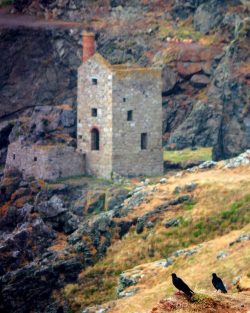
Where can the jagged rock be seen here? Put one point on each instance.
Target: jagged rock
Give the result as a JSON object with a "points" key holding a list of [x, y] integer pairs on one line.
{"points": [[177, 190], [172, 222], [22, 240], [54, 212], [115, 198], [186, 69], [68, 118], [187, 252], [207, 164], [127, 281], [179, 200], [150, 225], [169, 79], [140, 225], [34, 294], [199, 81], [136, 198], [242, 159], [190, 187], [51, 208], [131, 292], [169, 262], [241, 238], [221, 255], [9, 184], [96, 202], [124, 227], [208, 16], [53, 82], [183, 9], [163, 180]]}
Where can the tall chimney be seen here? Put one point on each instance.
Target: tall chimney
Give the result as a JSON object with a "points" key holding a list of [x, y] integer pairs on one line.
{"points": [[88, 41]]}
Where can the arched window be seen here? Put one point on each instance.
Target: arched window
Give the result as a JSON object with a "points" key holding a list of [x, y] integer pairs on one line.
{"points": [[95, 139]]}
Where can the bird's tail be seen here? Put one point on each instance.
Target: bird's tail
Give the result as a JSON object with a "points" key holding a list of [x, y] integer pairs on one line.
{"points": [[190, 293]]}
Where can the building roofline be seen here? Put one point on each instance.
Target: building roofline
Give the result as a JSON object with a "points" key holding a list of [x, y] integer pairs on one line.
{"points": [[125, 69]]}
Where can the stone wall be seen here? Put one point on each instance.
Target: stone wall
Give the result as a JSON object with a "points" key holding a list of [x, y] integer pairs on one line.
{"points": [[45, 162], [99, 96], [119, 89], [138, 91]]}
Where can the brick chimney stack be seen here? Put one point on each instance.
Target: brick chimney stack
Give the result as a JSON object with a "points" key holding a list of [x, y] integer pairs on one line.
{"points": [[88, 41]]}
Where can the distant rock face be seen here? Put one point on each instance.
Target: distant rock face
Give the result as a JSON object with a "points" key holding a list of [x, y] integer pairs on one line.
{"points": [[221, 120], [208, 16], [205, 92], [42, 63]]}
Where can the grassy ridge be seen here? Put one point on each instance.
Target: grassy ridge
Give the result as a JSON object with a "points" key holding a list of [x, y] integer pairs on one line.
{"points": [[98, 283], [176, 156]]}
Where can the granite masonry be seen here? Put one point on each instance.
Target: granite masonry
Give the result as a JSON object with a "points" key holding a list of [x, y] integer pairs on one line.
{"points": [[119, 125], [119, 115], [47, 162]]}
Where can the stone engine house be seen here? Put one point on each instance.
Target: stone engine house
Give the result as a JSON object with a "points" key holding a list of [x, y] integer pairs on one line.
{"points": [[119, 116], [119, 125]]}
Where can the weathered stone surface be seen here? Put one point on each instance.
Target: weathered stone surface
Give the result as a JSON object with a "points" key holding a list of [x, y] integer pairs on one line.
{"points": [[116, 86], [96, 202], [190, 187], [47, 162], [200, 81], [242, 159], [241, 238], [17, 296], [171, 223], [50, 74], [221, 255], [169, 79], [208, 16], [115, 198], [188, 69], [9, 183]]}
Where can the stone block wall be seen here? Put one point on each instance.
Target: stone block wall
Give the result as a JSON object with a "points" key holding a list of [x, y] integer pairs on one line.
{"points": [[45, 162], [139, 91], [117, 90], [99, 96]]}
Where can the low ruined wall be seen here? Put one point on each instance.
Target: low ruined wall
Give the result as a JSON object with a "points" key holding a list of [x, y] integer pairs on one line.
{"points": [[45, 162]]}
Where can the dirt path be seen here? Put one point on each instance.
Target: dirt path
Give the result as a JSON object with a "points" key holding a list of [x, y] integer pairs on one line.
{"points": [[16, 20]]}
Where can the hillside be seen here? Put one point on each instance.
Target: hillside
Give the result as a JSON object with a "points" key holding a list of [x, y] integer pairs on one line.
{"points": [[64, 244], [200, 238]]}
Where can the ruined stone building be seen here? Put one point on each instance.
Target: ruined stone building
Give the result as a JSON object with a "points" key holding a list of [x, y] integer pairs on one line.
{"points": [[119, 125], [119, 116], [47, 162]]}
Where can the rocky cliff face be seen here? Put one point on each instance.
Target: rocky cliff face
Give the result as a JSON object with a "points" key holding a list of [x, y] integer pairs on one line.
{"points": [[48, 235], [203, 53]]}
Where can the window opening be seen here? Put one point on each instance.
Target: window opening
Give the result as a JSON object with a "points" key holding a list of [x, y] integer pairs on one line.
{"points": [[144, 141], [95, 139], [130, 115]]}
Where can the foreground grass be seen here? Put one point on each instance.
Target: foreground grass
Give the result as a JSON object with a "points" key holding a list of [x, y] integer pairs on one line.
{"points": [[177, 156], [220, 204]]}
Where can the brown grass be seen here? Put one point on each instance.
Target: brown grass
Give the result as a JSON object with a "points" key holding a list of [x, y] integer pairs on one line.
{"points": [[218, 191]]}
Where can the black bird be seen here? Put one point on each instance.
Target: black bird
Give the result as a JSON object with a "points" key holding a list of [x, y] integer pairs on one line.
{"points": [[218, 283], [180, 285]]}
